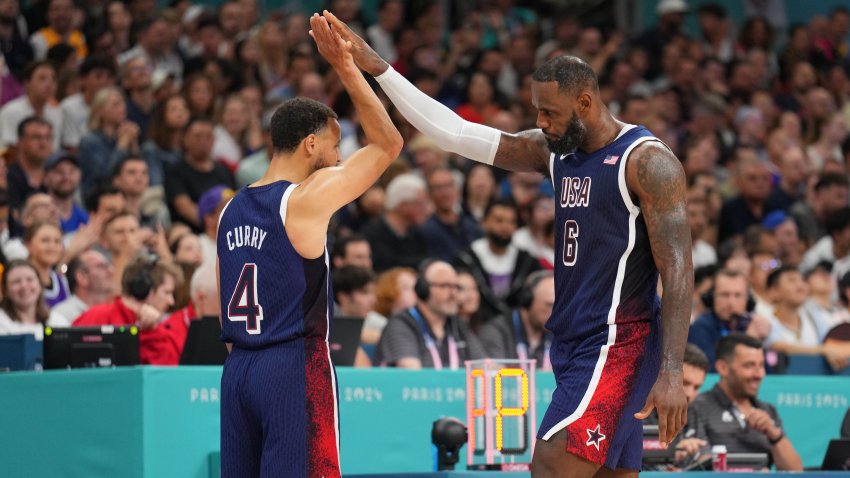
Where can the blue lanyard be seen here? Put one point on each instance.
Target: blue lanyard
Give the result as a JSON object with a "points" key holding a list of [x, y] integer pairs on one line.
{"points": [[431, 344]]}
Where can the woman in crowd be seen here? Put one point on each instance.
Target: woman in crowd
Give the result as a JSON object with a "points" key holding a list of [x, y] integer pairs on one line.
{"points": [[111, 138], [22, 309], [164, 137], [237, 134], [44, 243]]}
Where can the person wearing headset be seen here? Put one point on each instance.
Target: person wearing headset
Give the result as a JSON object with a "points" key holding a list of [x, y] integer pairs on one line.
{"points": [[522, 334], [430, 334], [147, 291], [729, 308]]}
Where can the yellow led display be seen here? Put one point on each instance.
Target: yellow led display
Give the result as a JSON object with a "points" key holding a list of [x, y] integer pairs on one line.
{"points": [[509, 411]]}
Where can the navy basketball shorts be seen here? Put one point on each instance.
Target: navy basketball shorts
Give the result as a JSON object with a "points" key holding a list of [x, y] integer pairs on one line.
{"points": [[603, 379], [279, 412]]}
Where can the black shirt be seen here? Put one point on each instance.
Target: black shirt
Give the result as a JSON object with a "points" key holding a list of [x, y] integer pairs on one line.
{"points": [[391, 250], [183, 179]]}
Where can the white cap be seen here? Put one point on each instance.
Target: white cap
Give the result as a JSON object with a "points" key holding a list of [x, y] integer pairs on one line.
{"points": [[718, 449], [671, 6]]}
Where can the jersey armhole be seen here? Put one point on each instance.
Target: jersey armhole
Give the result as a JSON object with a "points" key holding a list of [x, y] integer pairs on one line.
{"points": [[621, 179], [284, 202]]}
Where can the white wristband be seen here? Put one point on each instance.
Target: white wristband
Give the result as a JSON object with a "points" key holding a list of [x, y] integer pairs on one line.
{"points": [[451, 132]]}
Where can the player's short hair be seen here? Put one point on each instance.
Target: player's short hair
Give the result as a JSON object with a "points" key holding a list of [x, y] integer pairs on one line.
{"points": [[296, 119], [348, 279], [695, 357], [570, 72], [726, 346], [404, 187]]}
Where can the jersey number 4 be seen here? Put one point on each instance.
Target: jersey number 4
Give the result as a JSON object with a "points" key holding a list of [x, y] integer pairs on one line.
{"points": [[244, 305], [570, 243]]}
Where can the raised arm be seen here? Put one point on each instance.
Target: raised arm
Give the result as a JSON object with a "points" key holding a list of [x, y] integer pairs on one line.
{"points": [[656, 178], [526, 151], [328, 189]]}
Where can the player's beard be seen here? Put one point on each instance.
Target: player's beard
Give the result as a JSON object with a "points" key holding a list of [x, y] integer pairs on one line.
{"points": [[320, 162], [571, 139]]}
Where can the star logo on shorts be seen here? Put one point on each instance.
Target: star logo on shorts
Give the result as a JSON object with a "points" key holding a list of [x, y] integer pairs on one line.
{"points": [[594, 437]]}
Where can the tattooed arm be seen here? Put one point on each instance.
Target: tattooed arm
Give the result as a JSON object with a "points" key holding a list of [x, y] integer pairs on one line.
{"points": [[656, 178]]}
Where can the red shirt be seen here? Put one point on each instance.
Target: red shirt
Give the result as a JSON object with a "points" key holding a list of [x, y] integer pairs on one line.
{"points": [[161, 345]]}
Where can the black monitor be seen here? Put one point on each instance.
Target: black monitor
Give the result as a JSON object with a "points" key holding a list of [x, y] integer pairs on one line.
{"points": [[89, 347], [203, 344], [746, 462], [653, 455], [837, 455], [345, 339]]}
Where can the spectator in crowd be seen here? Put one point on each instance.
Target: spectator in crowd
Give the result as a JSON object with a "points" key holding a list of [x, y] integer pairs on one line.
{"points": [[730, 307], [44, 243], [763, 261], [381, 35], [753, 180], [835, 245], [24, 176], [112, 137], [499, 267], [794, 174], [60, 29], [210, 205], [102, 202], [91, 280], [165, 343], [253, 167], [522, 334], [97, 71], [396, 237], [731, 414], [831, 193], [394, 291], [430, 335], [449, 229], [121, 241], [354, 291], [155, 47], [22, 308], [194, 174], [131, 178], [832, 131], [469, 301], [40, 85], [165, 136], [794, 330], [532, 237], [478, 191], [703, 253], [38, 208], [352, 250], [790, 246], [138, 84], [147, 291], [237, 134], [61, 181], [186, 249]]}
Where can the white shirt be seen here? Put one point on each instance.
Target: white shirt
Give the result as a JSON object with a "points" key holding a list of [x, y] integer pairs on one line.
{"points": [[75, 117], [70, 309], [225, 148], [19, 109], [523, 239], [13, 327], [820, 251], [811, 331], [703, 254], [209, 252]]}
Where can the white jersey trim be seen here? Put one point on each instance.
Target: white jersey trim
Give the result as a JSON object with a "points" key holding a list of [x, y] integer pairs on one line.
{"points": [[284, 202], [634, 211], [330, 362]]}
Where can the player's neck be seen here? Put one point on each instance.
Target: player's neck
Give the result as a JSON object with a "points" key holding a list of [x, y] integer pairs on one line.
{"points": [[292, 168], [602, 134]]}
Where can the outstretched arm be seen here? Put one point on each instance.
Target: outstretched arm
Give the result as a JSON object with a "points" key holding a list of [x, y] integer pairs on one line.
{"points": [[526, 151], [656, 177], [328, 189]]}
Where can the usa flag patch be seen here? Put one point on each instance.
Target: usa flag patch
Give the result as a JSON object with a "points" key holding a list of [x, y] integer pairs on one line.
{"points": [[610, 159]]}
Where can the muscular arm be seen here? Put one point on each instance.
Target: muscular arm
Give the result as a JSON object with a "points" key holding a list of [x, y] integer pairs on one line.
{"points": [[656, 178], [526, 151]]}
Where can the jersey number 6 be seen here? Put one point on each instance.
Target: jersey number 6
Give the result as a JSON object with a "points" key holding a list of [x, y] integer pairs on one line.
{"points": [[244, 305], [570, 242]]}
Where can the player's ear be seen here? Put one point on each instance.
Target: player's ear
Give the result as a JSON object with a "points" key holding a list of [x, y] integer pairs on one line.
{"points": [[583, 102], [310, 143]]}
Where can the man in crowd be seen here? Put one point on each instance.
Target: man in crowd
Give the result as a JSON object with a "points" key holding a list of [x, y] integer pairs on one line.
{"points": [[91, 280], [522, 334], [730, 414]]}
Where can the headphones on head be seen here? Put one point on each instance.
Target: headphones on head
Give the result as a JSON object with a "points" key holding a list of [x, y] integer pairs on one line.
{"points": [[707, 299], [422, 287], [141, 284], [526, 295]]}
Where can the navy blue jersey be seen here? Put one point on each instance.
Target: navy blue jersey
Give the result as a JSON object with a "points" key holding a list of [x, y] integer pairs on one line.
{"points": [[604, 269], [269, 293]]}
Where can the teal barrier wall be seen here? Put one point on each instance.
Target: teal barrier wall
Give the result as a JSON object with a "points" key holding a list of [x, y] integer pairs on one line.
{"points": [[155, 422]]}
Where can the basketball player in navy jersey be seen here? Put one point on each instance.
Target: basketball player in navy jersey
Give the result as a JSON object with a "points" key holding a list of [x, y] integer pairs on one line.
{"points": [[278, 405], [621, 220]]}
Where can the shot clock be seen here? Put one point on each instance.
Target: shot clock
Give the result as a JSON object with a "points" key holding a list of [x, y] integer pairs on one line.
{"points": [[500, 414]]}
